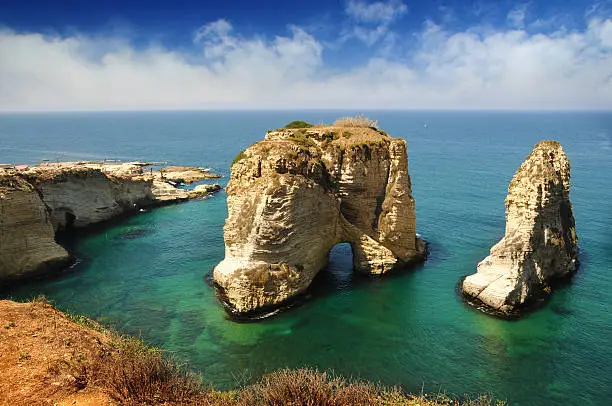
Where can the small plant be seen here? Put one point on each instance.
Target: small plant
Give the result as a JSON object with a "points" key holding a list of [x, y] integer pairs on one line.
{"points": [[302, 138], [143, 375], [347, 134], [24, 356], [298, 124], [9, 325], [241, 155], [360, 121]]}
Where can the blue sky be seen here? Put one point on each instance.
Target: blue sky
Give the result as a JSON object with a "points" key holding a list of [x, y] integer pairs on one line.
{"points": [[137, 54]]}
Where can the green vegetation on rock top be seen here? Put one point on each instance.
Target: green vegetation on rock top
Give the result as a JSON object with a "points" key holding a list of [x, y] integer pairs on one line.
{"points": [[298, 124]]}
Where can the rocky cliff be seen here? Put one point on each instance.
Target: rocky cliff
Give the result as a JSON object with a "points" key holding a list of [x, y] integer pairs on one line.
{"points": [[299, 192], [38, 201], [81, 195], [27, 237], [539, 245]]}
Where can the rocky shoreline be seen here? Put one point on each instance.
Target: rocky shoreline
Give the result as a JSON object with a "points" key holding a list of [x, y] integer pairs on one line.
{"points": [[37, 202]]}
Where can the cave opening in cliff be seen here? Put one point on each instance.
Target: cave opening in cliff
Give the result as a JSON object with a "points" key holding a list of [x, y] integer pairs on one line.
{"points": [[339, 270], [64, 219]]}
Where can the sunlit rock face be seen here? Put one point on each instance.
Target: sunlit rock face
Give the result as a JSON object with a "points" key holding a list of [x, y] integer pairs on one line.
{"points": [[540, 243], [299, 192], [38, 201], [82, 196], [27, 236]]}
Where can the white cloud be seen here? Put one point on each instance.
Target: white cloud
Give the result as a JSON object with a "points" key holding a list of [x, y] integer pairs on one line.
{"points": [[377, 12], [370, 22], [516, 16], [504, 69]]}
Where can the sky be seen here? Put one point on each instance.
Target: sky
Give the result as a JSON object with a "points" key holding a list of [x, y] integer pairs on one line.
{"points": [[66, 55]]}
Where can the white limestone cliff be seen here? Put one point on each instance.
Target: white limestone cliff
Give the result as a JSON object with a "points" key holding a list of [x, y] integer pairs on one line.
{"points": [[540, 243], [299, 192]]}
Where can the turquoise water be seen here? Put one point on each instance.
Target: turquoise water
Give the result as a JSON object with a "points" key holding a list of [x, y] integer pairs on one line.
{"points": [[146, 275]]}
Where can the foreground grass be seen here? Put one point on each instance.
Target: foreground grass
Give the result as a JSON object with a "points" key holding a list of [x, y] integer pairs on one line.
{"points": [[129, 372]]}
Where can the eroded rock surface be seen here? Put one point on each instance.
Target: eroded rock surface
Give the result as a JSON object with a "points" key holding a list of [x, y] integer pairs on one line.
{"points": [[27, 237], [38, 201], [539, 245], [299, 192], [80, 195]]}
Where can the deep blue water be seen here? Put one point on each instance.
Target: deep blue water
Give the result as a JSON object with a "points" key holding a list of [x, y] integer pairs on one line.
{"points": [[145, 275]]}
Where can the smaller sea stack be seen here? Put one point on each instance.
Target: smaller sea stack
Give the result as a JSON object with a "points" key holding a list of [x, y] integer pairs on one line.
{"points": [[540, 244]]}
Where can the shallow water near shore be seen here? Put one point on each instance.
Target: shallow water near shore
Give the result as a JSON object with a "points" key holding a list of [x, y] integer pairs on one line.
{"points": [[146, 275]]}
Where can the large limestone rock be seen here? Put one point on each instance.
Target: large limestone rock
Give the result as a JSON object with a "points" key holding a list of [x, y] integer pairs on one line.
{"points": [[79, 196], [299, 192], [38, 201], [27, 237], [540, 241]]}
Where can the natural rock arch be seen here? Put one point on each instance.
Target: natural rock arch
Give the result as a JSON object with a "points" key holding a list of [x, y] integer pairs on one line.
{"points": [[298, 193]]}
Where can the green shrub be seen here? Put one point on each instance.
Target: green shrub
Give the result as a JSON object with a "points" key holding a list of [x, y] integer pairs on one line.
{"points": [[241, 155], [298, 124]]}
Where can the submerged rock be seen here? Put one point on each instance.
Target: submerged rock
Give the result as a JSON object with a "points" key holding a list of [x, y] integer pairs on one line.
{"points": [[299, 192], [540, 241]]}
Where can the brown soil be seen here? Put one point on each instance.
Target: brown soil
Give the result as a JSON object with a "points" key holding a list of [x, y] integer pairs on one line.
{"points": [[44, 357]]}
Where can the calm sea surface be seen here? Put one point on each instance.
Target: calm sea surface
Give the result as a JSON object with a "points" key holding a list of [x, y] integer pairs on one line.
{"points": [[146, 275]]}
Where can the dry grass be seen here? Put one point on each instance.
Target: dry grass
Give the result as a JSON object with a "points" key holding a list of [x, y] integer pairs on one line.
{"points": [[137, 374], [62, 359], [359, 121], [310, 387]]}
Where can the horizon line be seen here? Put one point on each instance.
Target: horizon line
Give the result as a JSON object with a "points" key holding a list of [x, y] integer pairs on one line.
{"points": [[340, 109]]}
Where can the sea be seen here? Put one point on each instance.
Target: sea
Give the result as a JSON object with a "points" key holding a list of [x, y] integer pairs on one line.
{"points": [[147, 275]]}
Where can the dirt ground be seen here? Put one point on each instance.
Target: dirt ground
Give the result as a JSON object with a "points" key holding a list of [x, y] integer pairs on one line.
{"points": [[44, 357]]}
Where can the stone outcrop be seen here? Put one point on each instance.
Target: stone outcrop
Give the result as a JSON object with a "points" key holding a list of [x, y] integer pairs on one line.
{"points": [[165, 192], [299, 192], [27, 236], [539, 245], [184, 174], [38, 201], [79, 195]]}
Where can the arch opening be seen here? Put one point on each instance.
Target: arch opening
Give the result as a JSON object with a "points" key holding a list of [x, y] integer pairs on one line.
{"points": [[339, 272]]}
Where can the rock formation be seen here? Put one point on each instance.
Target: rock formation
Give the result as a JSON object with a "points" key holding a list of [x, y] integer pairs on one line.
{"points": [[299, 192], [27, 237], [79, 195], [540, 241], [38, 201]]}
